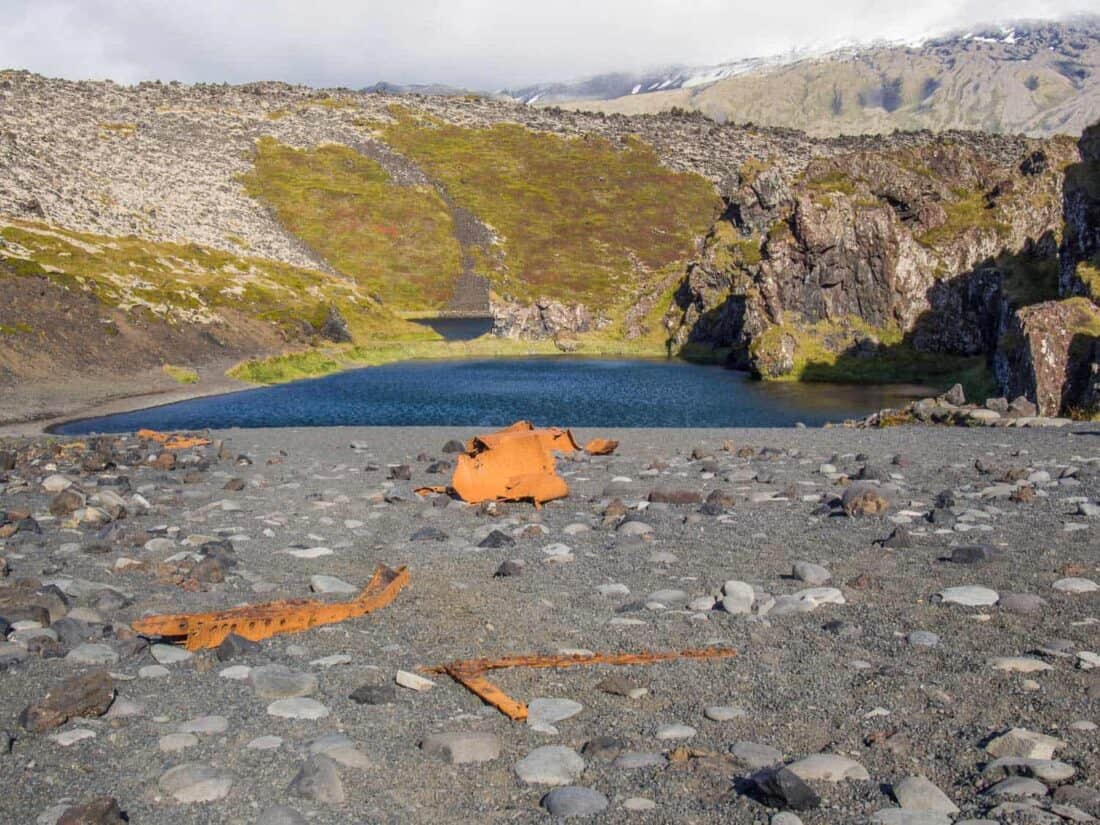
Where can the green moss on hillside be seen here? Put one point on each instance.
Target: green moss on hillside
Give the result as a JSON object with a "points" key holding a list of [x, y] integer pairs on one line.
{"points": [[579, 219], [188, 283], [967, 210], [395, 241]]}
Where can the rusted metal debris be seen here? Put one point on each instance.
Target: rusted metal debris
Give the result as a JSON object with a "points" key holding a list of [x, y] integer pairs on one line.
{"points": [[172, 441], [470, 673], [261, 621], [516, 464]]}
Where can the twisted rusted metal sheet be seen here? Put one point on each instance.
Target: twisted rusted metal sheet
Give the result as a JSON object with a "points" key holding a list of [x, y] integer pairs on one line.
{"points": [[261, 621]]}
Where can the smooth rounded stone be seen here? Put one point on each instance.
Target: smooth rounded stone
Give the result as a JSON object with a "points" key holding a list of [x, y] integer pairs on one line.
{"points": [[898, 816], [1025, 743], [638, 804], [1083, 725], [663, 557], [11, 653], [724, 713], [298, 708], [618, 685], [668, 597], [124, 708], [543, 713], [636, 760], [1047, 770], [332, 661], [918, 793], [828, 767], [463, 748], [153, 672], [237, 673], [737, 597], [177, 741], [550, 765], [674, 732], [204, 724], [813, 574], [1022, 603], [702, 604], [1075, 585], [923, 638], [755, 755], [72, 736], [92, 654], [318, 779], [573, 801], [785, 818], [281, 815], [56, 483], [634, 529], [339, 748], [1019, 664], [413, 681], [1017, 786], [612, 589], [195, 782], [969, 596], [169, 654], [330, 584], [159, 545], [85, 614], [265, 743], [805, 601], [280, 682]]}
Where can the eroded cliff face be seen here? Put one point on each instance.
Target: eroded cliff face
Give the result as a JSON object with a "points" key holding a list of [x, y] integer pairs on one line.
{"points": [[882, 258]]}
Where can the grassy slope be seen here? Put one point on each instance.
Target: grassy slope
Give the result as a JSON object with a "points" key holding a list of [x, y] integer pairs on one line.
{"points": [[580, 219], [187, 283], [396, 241]]}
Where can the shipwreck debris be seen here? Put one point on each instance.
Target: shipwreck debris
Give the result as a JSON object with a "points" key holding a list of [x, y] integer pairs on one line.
{"points": [[261, 621], [516, 464], [173, 441], [470, 673]]}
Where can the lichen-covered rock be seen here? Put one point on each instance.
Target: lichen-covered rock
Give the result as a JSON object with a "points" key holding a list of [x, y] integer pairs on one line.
{"points": [[545, 318]]}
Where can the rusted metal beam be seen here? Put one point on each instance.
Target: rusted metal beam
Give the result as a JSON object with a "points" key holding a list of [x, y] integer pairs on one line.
{"points": [[470, 673], [197, 631]]}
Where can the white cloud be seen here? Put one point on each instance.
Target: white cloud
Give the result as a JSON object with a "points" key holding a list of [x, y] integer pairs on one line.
{"points": [[475, 43]]}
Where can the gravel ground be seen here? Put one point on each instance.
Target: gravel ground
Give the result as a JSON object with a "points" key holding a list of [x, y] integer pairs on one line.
{"points": [[843, 679]]}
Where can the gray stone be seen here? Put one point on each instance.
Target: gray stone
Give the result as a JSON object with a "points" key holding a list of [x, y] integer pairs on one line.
{"points": [[330, 584], [298, 708], [169, 654], [969, 596], [543, 713], [573, 801], [1025, 743], [755, 755], [280, 682], [1017, 786], [737, 597], [917, 793], [923, 638], [813, 574], [177, 741], [898, 816], [666, 732], [204, 724], [724, 713], [318, 779], [339, 748], [1075, 585], [1022, 603], [92, 654], [463, 748], [1048, 770], [828, 767], [195, 782], [550, 765], [633, 760]]}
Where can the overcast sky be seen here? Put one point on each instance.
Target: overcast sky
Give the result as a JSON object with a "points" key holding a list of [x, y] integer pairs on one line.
{"points": [[483, 44]]}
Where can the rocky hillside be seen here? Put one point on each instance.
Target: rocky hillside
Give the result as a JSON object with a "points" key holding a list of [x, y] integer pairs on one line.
{"points": [[170, 225], [1034, 78]]}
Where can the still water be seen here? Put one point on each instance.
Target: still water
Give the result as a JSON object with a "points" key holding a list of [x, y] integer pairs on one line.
{"points": [[565, 391]]}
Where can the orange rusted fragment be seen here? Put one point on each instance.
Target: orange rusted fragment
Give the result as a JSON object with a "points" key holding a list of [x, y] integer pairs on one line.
{"points": [[261, 621], [171, 441], [515, 464], [470, 673], [601, 446]]}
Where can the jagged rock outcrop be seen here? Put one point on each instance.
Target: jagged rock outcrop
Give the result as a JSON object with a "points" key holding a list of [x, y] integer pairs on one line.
{"points": [[1049, 355], [542, 319], [926, 247], [1080, 256]]}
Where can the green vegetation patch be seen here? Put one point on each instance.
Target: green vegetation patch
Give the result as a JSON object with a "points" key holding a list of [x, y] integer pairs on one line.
{"points": [[579, 219], [397, 242], [825, 352], [1088, 273], [181, 375], [968, 209], [188, 283]]}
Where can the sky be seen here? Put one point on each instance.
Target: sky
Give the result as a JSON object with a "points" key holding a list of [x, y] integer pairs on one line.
{"points": [[477, 44]]}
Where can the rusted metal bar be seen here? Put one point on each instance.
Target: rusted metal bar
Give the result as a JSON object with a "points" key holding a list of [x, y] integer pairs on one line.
{"points": [[470, 673], [197, 631]]}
